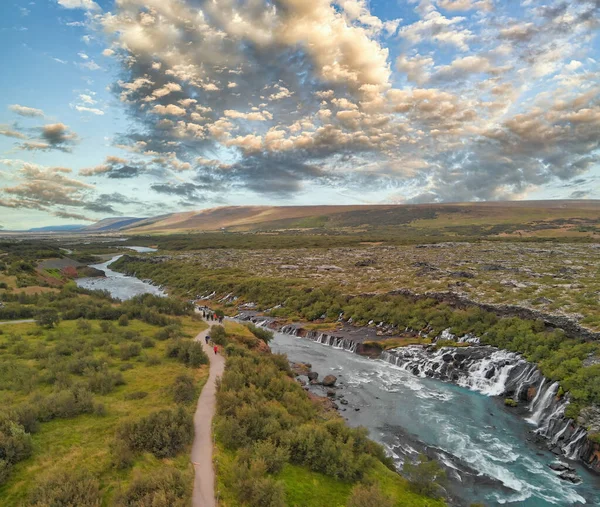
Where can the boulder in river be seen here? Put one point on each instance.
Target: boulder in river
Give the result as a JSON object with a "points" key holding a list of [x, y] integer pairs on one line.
{"points": [[331, 393], [559, 466], [570, 477], [313, 375], [329, 380]]}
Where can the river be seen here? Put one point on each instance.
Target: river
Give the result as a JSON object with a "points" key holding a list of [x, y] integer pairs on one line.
{"points": [[464, 429], [119, 285], [459, 426]]}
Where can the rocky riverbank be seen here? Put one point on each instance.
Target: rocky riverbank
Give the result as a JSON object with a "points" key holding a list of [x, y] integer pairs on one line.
{"points": [[482, 368]]}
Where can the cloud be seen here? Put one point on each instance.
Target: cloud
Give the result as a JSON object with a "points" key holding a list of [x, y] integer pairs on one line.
{"points": [[93, 110], [59, 136], [7, 131], [88, 5], [115, 168], [481, 103], [29, 112], [45, 189]]}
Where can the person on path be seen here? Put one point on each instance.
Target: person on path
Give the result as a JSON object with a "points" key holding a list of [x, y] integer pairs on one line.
{"points": [[207, 338], [216, 349]]}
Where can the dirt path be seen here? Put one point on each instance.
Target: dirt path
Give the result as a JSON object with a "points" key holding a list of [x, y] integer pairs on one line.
{"points": [[24, 321], [204, 480]]}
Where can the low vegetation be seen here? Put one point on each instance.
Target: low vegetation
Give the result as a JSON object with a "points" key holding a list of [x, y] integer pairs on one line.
{"points": [[274, 441], [559, 358], [96, 413]]}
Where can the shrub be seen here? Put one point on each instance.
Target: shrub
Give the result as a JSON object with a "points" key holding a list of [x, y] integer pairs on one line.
{"points": [[66, 403], [126, 366], [368, 496], [147, 342], [121, 454], [107, 327], [104, 381], [273, 456], [129, 350], [27, 416], [163, 433], [68, 490], [170, 331], [47, 317], [264, 334], [152, 360], [84, 326], [163, 488], [15, 443], [509, 402], [218, 335], [188, 352], [184, 389], [123, 320], [426, 477], [254, 488]]}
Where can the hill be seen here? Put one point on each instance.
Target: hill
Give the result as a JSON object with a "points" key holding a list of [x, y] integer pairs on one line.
{"points": [[112, 224], [523, 218]]}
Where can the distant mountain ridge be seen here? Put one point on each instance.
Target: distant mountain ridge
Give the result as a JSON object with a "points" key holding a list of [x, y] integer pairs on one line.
{"points": [[533, 214]]}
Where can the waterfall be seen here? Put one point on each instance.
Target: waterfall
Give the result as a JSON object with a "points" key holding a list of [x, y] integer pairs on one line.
{"points": [[541, 403], [537, 395], [573, 450]]}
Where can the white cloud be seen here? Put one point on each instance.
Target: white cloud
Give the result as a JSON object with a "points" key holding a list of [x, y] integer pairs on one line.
{"points": [[26, 111], [170, 109], [88, 5], [84, 109]]}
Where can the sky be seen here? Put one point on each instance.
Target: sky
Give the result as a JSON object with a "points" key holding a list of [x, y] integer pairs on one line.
{"points": [[145, 107]]}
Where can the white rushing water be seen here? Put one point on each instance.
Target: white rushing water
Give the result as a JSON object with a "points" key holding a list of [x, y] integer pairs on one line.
{"points": [[462, 425]]}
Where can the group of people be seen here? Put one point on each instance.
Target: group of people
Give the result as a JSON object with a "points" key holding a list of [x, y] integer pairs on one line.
{"points": [[209, 315]]}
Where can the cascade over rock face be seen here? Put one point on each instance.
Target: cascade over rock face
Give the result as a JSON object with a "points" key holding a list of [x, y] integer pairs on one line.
{"points": [[497, 372]]}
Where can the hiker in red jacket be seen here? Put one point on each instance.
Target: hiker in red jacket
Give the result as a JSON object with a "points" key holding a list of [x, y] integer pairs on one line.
{"points": [[216, 349]]}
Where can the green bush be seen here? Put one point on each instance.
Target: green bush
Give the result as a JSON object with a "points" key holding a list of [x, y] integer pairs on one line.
{"points": [[163, 488], [147, 342], [189, 352], [129, 350], [15, 443], [47, 317], [104, 381], [254, 488], [65, 404], [219, 336], [163, 433], [264, 334], [65, 489], [123, 320], [426, 476], [184, 389], [368, 496]]}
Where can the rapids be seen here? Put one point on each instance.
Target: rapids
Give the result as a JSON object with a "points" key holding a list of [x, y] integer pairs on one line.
{"points": [[489, 453]]}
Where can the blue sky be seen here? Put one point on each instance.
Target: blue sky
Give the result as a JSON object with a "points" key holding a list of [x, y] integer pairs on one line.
{"points": [[143, 107]]}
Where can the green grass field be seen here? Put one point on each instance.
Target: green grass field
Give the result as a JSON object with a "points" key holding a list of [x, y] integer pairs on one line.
{"points": [[84, 441]]}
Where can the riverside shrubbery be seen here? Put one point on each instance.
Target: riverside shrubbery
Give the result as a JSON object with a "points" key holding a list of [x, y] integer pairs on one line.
{"points": [[269, 420], [558, 358]]}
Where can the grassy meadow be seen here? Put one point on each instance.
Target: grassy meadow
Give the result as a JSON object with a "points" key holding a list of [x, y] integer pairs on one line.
{"points": [[120, 372]]}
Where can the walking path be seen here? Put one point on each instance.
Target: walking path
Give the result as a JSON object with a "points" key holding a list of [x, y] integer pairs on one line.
{"points": [[202, 448], [24, 321]]}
